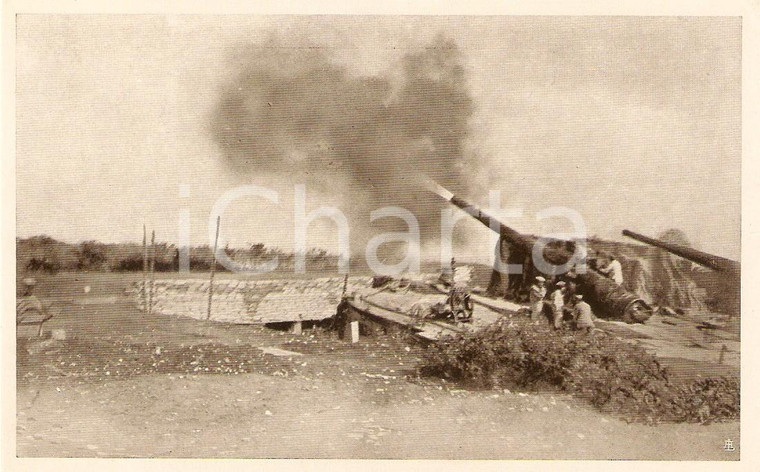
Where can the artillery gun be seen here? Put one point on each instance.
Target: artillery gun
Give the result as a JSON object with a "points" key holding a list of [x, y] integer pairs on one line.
{"points": [[608, 299], [716, 263], [729, 287]]}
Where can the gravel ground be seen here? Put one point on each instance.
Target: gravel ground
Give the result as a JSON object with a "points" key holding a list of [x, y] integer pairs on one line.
{"points": [[126, 385]]}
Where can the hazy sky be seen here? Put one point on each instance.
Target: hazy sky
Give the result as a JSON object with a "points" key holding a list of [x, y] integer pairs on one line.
{"points": [[633, 122]]}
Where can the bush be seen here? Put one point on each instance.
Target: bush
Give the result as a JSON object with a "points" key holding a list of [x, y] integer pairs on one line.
{"points": [[131, 263], [707, 399], [92, 255], [42, 265], [612, 375]]}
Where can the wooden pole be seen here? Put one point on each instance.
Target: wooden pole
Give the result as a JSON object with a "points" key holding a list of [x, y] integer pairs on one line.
{"points": [[213, 269], [152, 270], [145, 271], [723, 351]]}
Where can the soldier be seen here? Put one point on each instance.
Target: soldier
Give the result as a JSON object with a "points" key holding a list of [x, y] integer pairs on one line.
{"points": [[613, 270], [582, 314], [557, 303], [537, 294], [29, 309]]}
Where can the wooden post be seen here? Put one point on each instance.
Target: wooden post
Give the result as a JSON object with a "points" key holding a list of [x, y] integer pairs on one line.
{"points": [[723, 351], [152, 270], [145, 271], [213, 269], [297, 328], [353, 327]]}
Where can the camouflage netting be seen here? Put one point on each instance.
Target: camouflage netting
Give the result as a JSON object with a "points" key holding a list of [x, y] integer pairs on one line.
{"points": [[659, 277]]}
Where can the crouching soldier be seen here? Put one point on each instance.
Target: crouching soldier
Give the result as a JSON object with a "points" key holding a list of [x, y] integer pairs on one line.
{"points": [[582, 314]]}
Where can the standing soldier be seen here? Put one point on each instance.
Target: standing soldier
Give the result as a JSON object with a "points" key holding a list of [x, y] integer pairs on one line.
{"points": [[613, 270], [558, 303], [537, 294]]}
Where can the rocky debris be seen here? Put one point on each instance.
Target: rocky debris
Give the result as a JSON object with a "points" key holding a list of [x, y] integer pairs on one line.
{"points": [[58, 334], [77, 358]]}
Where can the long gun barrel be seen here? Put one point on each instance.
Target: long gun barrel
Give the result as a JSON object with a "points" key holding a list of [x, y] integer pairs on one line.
{"points": [[704, 259], [611, 300], [521, 241], [505, 231]]}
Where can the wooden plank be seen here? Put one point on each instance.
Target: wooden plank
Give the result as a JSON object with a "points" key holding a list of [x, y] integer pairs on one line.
{"points": [[496, 304], [492, 304], [385, 313], [432, 329]]}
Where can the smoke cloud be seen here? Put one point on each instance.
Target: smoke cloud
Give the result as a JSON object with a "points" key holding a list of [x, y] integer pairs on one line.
{"points": [[295, 110]]}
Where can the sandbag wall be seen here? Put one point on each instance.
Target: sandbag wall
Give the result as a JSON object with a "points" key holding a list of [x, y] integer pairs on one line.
{"points": [[249, 301]]}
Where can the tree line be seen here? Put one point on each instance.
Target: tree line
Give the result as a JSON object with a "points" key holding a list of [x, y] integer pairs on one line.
{"points": [[45, 254]]}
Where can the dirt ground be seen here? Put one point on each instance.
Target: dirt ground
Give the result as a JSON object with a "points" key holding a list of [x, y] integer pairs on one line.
{"points": [[127, 385]]}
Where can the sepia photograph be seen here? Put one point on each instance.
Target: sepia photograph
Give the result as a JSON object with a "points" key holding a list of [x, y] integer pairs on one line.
{"points": [[326, 236]]}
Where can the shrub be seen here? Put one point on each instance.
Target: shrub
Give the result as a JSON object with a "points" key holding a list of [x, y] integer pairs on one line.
{"points": [[707, 399], [613, 375], [130, 263], [92, 255], [42, 265]]}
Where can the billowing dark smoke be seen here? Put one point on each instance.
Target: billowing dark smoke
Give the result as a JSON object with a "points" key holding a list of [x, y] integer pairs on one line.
{"points": [[295, 110]]}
